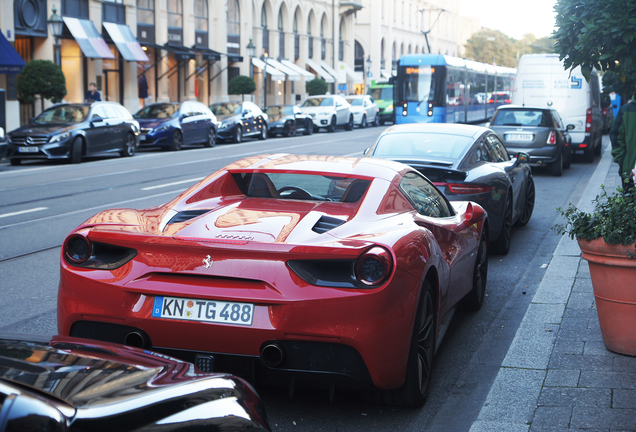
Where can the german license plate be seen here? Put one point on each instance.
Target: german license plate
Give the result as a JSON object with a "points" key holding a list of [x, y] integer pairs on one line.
{"points": [[520, 137], [142, 137], [203, 310], [28, 150]]}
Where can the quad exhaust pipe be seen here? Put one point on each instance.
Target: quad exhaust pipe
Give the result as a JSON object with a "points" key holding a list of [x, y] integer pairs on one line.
{"points": [[272, 355]]}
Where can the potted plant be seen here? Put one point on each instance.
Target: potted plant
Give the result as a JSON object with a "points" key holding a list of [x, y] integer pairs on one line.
{"points": [[607, 239]]}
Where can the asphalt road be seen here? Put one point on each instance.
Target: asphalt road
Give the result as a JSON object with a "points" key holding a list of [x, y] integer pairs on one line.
{"points": [[40, 203]]}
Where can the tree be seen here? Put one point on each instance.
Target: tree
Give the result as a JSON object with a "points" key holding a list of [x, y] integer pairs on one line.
{"points": [[491, 46], [44, 78], [597, 34], [622, 84], [316, 86], [531, 45], [241, 85]]}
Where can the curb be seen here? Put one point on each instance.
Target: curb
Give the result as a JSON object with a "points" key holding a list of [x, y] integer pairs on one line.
{"points": [[513, 398]]}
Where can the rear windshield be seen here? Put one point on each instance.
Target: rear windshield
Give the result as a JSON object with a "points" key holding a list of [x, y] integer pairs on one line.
{"points": [[383, 93], [421, 145], [310, 187], [521, 117]]}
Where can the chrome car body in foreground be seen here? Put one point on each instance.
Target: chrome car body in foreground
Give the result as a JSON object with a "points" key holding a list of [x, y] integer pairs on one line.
{"points": [[70, 384], [539, 132], [467, 163], [302, 270], [73, 131]]}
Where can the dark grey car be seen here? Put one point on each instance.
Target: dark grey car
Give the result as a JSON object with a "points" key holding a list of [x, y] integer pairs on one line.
{"points": [[539, 132], [466, 163]]}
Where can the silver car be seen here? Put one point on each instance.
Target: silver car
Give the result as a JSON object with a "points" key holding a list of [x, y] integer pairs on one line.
{"points": [[539, 132], [329, 112], [364, 109]]}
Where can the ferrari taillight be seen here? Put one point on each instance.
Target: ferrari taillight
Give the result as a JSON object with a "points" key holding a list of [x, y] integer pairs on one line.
{"points": [[466, 188], [77, 249], [374, 266], [551, 138]]}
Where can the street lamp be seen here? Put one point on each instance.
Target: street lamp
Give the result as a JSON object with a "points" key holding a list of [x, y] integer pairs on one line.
{"points": [[264, 59], [55, 27]]}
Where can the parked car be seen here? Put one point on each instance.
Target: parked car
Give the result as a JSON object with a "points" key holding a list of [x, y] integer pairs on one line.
{"points": [[287, 120], [499, 98], [329, 112], [467, 163], [3, 143], [537, 131], [239, 120], [364, 109], [72, 131], [67, 384], [382, 93], [171, 125], [299, 269]]}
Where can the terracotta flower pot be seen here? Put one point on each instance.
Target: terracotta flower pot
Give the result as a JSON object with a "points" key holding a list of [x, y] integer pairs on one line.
{"points": [[614, 282]]}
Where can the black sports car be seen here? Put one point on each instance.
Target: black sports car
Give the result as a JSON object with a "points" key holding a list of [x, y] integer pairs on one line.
{"points": [[71, 384], [467, 163], [240, 119], [287, 120], [73, 131]]}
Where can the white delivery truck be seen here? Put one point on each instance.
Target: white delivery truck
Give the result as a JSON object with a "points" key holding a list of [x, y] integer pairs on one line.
{"points": [[542, 81]]}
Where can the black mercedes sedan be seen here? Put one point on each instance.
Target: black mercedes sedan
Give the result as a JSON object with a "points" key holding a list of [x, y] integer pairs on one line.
{"points": [[68, 384], [240, 119], [287, 120], [73, 131], [466, 163], [537, 131]]}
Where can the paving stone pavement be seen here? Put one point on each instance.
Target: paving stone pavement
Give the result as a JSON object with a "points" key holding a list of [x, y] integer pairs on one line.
{"points": [[557, 375]]}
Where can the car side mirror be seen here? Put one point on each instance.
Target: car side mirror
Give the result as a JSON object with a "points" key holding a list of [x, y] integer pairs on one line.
{"points": [[366, 151], [96, 118], [522, 158], [570, 127], [245, 112]]}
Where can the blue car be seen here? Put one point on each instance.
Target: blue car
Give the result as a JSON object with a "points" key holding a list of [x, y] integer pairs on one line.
{"points": [[172, 125]]}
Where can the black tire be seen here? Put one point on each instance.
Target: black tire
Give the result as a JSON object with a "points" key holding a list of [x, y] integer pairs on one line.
{"points": [[316, 129], [15, 162], [381, 122], [376, 121], [177, 141], [263, 134], [76, 151], [501, 246], [291, 129], [599, 147], [238, 134], [349, 126], [130, 146], [420, 360], [528, 205], [475, 298], [557, 166], [332, 125], [309, 127], [567, 162], [363, 123], [211, 141]]}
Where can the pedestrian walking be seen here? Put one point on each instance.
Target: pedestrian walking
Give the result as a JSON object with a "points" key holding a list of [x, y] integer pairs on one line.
{"points": [[92, 95], [623, 138], [142, 85]]}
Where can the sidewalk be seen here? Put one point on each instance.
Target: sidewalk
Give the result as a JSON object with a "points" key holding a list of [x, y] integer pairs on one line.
{"points": [[557, 375]]}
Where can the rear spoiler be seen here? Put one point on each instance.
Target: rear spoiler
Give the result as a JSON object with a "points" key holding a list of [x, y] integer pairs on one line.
{"points": [[437, 173]]}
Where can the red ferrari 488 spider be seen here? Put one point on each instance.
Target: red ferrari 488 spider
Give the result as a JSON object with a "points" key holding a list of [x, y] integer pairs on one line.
{"points": [[285, 268]]}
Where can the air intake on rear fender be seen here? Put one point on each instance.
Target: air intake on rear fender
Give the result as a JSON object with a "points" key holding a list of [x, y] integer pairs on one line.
{"points": [[186, 215], [326, 223]]}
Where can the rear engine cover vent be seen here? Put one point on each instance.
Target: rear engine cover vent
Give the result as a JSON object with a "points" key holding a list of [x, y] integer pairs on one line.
{"points": [[186, 215], [326, 223]]}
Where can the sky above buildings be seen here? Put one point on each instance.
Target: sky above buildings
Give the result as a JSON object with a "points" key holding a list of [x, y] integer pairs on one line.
{"points": [[514, 18]]}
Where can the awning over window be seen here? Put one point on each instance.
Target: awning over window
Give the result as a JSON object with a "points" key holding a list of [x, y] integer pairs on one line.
{"points": [[126, 43], [88, 38], [180, 52], [329, 69], [10, 60], [293, 66], [320, 71], [207, 53], [274, 73], [292, 75], [357, 77]]}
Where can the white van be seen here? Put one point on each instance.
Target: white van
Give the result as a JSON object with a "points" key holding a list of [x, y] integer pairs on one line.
{"points": [[542, 81]]}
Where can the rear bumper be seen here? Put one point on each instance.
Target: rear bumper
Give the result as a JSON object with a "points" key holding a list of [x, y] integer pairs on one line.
{"points": [[538, 156]]}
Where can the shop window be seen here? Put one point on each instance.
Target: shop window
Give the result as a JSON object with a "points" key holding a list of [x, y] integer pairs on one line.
{"points": [[359, 57], [281, 35], [114, 11], [310, 52], [296, 40], [232, 72], [265, 31], [75, 8], [233, 27]]}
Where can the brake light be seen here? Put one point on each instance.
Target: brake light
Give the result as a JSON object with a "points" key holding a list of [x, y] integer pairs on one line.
{"points": [[77, 249], [465, 188], [551, 138], [374, 266], [604, 111], [588, 120]]}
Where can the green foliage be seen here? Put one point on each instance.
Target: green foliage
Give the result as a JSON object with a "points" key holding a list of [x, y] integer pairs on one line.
{"points": [[316, 86], [596, 34], [488, 46], [241, 85], [44, 78], [612, 219], [531, 45]]}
